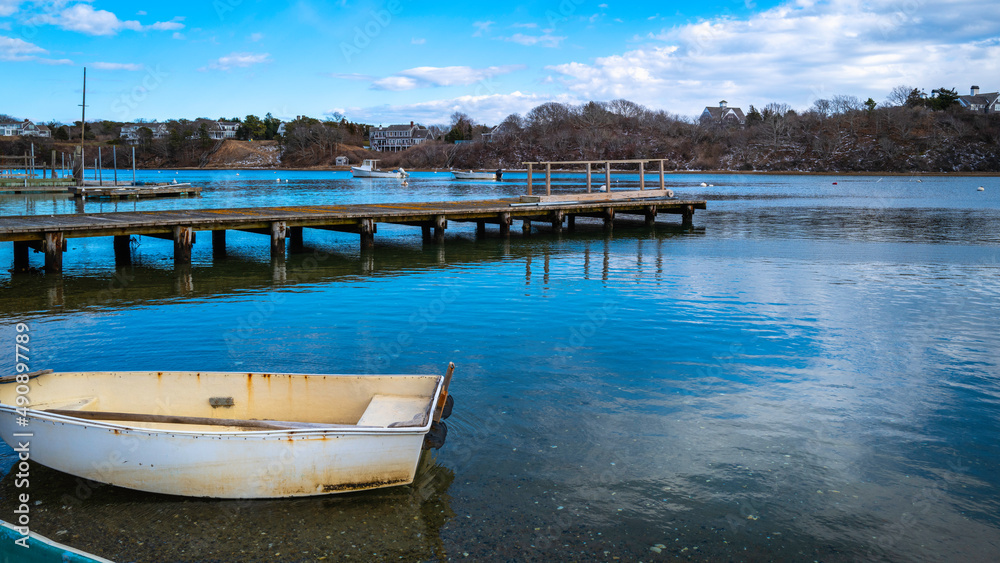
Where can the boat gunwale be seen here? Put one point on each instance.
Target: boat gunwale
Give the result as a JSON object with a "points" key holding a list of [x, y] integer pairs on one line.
{"points": [[264, 434]]}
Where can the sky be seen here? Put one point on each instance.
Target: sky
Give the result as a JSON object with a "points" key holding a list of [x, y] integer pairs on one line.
{"points": [[395, 61]]}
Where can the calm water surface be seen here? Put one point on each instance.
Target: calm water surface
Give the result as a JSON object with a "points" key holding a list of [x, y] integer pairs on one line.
{"points": [[811, 373]]}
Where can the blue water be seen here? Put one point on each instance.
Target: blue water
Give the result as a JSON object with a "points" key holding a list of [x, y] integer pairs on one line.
{"points": [[811, 373]]}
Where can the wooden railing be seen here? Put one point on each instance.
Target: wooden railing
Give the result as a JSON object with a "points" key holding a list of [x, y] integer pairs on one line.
{"points": [[589, 168]]}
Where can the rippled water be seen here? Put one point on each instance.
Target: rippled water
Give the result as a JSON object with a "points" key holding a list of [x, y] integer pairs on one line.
{"points": [[810, 373]]}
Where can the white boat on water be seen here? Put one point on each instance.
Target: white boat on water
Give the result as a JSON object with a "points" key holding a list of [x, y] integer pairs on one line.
{"points": [[472, 175], [369, 169], [227, 435]]}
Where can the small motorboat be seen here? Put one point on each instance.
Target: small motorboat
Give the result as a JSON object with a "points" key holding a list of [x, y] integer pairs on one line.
{"points": [[227, 435], [473, 175], [369, 169]]}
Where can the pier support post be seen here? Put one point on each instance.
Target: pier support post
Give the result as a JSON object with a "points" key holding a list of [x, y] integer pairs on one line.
{"points": [[440, 224], [278, 239], [480, 228], [609, 217], [687, 219], [505, 221], [571, 223], [650, 215], [218, 244], [548, 179], [183, 241], [642, 175], [21, 249], [526, 227], [529, 178], [295, 242], [588, 177], [425, 232], [366, 227], [54, 245], [557, 221], [123, 251]]}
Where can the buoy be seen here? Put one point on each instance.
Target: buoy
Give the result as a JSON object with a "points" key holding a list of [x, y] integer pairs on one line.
{"points": [[835, 183], [602, 188], [704, 185], [277, 179], [980, 189]]}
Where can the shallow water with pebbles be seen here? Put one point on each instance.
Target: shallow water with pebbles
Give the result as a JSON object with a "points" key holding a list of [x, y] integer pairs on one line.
{"points": [[810, 373]]}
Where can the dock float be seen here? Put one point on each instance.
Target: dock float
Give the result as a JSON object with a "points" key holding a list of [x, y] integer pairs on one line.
{"points": [[49, 233], [135, 191]]}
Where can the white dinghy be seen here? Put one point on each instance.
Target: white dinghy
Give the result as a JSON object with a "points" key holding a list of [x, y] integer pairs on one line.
{"points": [[473, 175], [227, 435]]}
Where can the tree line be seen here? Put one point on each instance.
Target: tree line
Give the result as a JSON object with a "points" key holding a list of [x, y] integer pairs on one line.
{"points": [[909, 131]]}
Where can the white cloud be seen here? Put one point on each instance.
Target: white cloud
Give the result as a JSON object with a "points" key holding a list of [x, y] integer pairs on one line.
{"points": [[482, 27], [798, 52], [430, 76], [117, 66], [545, 40], [237, 60], [178, 35], [18, 50], [490, 109], [83, 18], [14, 49], [8, 7], [255, 37]]}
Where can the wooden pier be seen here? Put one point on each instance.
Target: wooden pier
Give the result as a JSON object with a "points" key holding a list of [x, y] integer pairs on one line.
{"points": [[49, 233]]}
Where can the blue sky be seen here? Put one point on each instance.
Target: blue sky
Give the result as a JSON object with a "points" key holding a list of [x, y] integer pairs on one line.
{"points": [[395, 61]]}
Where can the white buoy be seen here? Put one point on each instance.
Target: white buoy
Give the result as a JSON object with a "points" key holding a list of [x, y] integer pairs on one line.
{"points": [[980, 189], [602, 188], [704, 185], [277, 179], [175, 180], [711, 185]]}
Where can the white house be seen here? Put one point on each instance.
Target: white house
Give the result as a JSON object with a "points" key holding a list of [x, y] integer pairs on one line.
{"points": [[130, 133], [342, 161], [985, 103], [10, 129], [723, 114], [395, 138], [24, 128], [220, 130]]}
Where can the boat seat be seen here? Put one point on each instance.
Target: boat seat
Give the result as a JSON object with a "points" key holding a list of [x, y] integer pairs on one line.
{"points": [[78, 404], [395, 411]]}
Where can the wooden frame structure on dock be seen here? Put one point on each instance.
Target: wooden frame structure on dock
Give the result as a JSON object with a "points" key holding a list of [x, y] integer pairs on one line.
{"points": [[588, 164], [48, 234]]}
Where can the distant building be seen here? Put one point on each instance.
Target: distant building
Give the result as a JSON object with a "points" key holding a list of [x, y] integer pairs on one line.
{"points": [[24, 129], [130, 133], [395, 138], [984, 103], [10, 129], [342, 161], [220, 130], [724, 115]]}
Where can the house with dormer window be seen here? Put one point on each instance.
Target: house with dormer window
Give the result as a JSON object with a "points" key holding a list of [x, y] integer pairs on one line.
{"points": [[982, 103], [723, 114], [395, 138]]}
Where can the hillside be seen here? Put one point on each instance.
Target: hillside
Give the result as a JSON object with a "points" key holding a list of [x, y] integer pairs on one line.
{"points": [[245, 154]]}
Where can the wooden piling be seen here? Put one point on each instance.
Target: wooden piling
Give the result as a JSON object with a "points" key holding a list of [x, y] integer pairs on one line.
{"points": [[526, 227], [557, 221], [642, 175], [183, 241], [54, 244], [588, 177], [529, 178], [278, 239], [505, 221], [548, 178], [650, 215], [480, 228], [440, 224], [366, 227], [687, 219]]}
